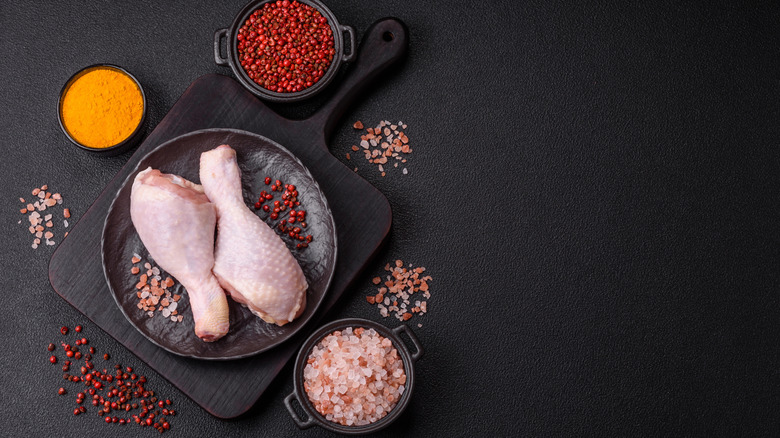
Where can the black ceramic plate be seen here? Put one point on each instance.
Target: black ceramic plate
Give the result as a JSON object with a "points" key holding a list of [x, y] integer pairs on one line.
{"points": [[258, 157]]}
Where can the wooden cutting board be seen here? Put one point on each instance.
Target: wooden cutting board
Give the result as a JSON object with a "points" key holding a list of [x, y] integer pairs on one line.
{"points": [[362, 214]]}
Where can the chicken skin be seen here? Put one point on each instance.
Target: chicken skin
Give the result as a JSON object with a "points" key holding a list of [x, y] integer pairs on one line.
{"points": [[251, 261], [176, 221]]}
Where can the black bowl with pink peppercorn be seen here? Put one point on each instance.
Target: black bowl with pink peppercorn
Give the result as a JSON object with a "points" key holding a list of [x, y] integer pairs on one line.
{"points": [[285, 51], [351, 358]]}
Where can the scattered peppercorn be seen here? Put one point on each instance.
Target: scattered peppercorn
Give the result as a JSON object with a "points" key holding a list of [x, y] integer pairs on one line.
{"points": [[289, 199], [117, 391], [64, 330]]}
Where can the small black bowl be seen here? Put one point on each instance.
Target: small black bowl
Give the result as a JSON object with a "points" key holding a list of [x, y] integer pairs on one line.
{"points": [[235, 64], [299, 394], [125, 144]]}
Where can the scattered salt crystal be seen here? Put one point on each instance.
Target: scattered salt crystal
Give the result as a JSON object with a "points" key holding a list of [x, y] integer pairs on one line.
{"points": [[405, 171]]}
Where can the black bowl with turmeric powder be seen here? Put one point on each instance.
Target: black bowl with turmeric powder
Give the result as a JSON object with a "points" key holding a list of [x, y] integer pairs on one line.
{"points": [[102, 109]]}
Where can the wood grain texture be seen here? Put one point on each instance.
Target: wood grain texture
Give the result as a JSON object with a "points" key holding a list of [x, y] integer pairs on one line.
{"points": [[362, 216]]}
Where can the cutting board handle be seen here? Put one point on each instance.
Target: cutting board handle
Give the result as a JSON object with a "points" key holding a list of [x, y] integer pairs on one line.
{"points": [[384, 44]]}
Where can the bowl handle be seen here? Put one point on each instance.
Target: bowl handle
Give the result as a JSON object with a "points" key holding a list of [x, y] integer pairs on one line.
{"points": [[217, 45], [402, 328], [352, 44], [298, 422]]}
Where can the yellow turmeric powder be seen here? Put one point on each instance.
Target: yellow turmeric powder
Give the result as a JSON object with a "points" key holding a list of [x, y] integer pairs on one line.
{"points": [[101, 107]]}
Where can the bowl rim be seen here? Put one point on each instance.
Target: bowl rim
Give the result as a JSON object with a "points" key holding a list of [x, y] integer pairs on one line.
{"points": [[119, 146], [407, 358], [273, 96]]}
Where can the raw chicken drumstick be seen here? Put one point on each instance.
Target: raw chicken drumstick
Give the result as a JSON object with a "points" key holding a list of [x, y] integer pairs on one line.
{"points": [[251, 262], [176, 222]]}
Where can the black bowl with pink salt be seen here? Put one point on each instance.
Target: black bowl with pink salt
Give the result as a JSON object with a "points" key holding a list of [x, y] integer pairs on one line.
{"points": [[353, 376]]}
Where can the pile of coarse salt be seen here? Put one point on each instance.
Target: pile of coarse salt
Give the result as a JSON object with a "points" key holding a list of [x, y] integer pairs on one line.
{"points": [[154, 293], [43, 200], [401, 285], [383, 142], [355, 377]]}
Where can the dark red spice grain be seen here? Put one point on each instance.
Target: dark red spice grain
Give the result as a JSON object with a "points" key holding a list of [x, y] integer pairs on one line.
{"points": [[78, 328], [285, 46], [117, 391], [51, 347], [64, 330], [296, 215]]}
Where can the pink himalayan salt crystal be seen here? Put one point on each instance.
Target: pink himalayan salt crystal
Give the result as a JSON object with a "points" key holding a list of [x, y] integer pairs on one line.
{"points": [[354, 377]]}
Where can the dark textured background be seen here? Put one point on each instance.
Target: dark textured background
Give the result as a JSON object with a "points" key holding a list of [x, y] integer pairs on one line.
{"points": [[594, 190]]}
